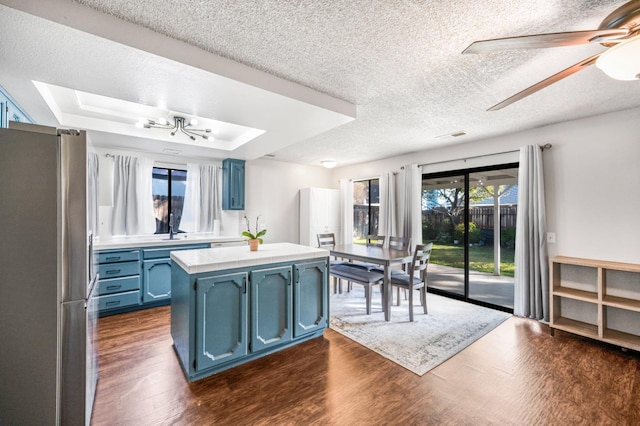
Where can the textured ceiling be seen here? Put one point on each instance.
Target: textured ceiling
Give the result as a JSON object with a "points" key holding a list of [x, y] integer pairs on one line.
{"points": [[399, 62]]}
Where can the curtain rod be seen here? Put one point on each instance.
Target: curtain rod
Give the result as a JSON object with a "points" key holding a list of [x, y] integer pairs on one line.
{"points": [[108, 155], [542, 148]]}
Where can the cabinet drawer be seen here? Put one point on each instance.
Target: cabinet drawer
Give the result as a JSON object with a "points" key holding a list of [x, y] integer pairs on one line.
{"points": [[119, 300], [118, 256], [117, 285], [114, 270], [164, 252]]}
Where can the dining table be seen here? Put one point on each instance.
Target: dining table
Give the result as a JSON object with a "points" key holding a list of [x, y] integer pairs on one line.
{"points": [[383, 256]]}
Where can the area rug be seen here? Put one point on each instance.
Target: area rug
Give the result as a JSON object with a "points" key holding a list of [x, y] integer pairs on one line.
{"points": [[449, 327]]}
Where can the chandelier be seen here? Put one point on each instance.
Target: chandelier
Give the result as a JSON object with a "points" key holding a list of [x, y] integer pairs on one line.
{"points": [[180, 124]]}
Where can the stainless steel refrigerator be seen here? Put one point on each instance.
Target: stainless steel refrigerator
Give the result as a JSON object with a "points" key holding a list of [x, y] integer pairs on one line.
{"points": [[48, 316]]}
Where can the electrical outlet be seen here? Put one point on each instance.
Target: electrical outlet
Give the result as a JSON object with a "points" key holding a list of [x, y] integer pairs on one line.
{"points": [[551, 237]]}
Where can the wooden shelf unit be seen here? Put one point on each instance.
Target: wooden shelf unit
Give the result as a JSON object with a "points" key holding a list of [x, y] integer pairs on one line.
{"points": [[596, 299]]}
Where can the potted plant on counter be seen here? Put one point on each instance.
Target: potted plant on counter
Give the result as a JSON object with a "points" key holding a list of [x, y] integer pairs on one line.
{"points": [[254, 239]]}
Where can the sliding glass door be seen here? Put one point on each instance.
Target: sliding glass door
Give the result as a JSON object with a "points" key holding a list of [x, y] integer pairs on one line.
{"points": [[443, 206], [470, 216]]}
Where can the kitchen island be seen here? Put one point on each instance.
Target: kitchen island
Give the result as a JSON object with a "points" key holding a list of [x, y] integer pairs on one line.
{"points": [[230, 305]]}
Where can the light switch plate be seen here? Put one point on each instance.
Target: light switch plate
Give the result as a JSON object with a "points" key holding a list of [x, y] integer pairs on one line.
{"points": [[551, 237]]}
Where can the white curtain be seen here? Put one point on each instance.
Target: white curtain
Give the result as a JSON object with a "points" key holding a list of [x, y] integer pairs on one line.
{"points": [[346, 211], [132, 196], [93, 192], [202, 199], [531, 291], [410, 204], [387, 222]]}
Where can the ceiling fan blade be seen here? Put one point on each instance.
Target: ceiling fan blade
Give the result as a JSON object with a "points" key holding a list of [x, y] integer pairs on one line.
{"points": [[537, 41], [546, 82]]}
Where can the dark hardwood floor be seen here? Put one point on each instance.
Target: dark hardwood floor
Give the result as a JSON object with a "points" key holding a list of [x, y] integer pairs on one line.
{"points": [[517, 374]]}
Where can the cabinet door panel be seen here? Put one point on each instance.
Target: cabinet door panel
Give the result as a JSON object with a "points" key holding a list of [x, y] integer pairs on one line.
{"points": [[233, 184], [311, 307], [221, 319], [157, 280], [270, 307]]}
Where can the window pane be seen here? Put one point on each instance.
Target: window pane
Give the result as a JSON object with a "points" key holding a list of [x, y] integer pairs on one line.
{"points": [[493, 204], [178, 186], [366, 208], [160, 185], [360, 211], [443, 224], [374, 203], [168, 200]]}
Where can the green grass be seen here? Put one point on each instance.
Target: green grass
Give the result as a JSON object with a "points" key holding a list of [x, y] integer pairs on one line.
{"points": [[480, 258]]}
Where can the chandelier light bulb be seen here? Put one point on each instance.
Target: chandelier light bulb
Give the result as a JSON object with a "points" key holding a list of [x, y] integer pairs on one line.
{"points": [[193, 122]]}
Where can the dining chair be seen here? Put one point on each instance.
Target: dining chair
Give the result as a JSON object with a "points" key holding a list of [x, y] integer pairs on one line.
{"points": [[416, 278], [328, 241], [403, 244], [371, 240], [397, 243]]}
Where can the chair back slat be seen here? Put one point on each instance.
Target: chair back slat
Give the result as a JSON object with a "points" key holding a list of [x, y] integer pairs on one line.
{"points": [[375, 240], [326, 240], [399, 243]]}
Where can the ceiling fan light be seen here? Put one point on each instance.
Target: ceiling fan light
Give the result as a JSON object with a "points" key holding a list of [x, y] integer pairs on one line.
{"points": [[622, 61]]}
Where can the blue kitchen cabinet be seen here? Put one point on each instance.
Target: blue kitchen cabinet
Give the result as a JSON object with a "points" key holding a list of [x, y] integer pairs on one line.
{"points": [[118, 285], [232, 184], [156, 282], [221, 315], [271, 313], [311, 300], [11, 111], [136, 278]]}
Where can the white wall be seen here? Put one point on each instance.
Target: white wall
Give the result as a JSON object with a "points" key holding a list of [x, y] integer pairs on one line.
{"points": [[592, 179], [272, 190]]}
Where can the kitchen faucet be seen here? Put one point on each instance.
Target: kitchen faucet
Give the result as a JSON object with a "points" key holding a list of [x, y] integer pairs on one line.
{"points": [[171, 226]]}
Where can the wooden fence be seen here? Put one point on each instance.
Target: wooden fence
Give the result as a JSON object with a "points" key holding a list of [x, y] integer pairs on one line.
{"points": [[481, 216]]}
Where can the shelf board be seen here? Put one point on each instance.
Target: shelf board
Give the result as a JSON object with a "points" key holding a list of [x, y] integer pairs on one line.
{"points": [[622, 303], [622, 339], [618, 266], [572, 293], [576, 327]]}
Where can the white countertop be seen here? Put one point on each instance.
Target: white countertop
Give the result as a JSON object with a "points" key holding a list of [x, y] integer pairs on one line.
{"points": [[221, 258], [129, 241]]}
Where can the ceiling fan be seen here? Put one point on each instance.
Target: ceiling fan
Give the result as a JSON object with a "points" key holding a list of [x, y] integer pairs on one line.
{"points": [[619, 31]]}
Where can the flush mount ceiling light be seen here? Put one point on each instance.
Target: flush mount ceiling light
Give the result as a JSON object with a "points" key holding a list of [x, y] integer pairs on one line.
{"points": [[329, 164], [180, 124], [622, 61]]}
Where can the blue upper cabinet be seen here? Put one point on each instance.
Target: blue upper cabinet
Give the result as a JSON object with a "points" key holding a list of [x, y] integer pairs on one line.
{"points": [[232, 184], [10, 110]]}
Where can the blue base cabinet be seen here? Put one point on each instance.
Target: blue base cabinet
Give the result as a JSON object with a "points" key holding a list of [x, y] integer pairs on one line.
{"points": [[156, 277], [118, 285], [135, 278], [226, 318]]}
